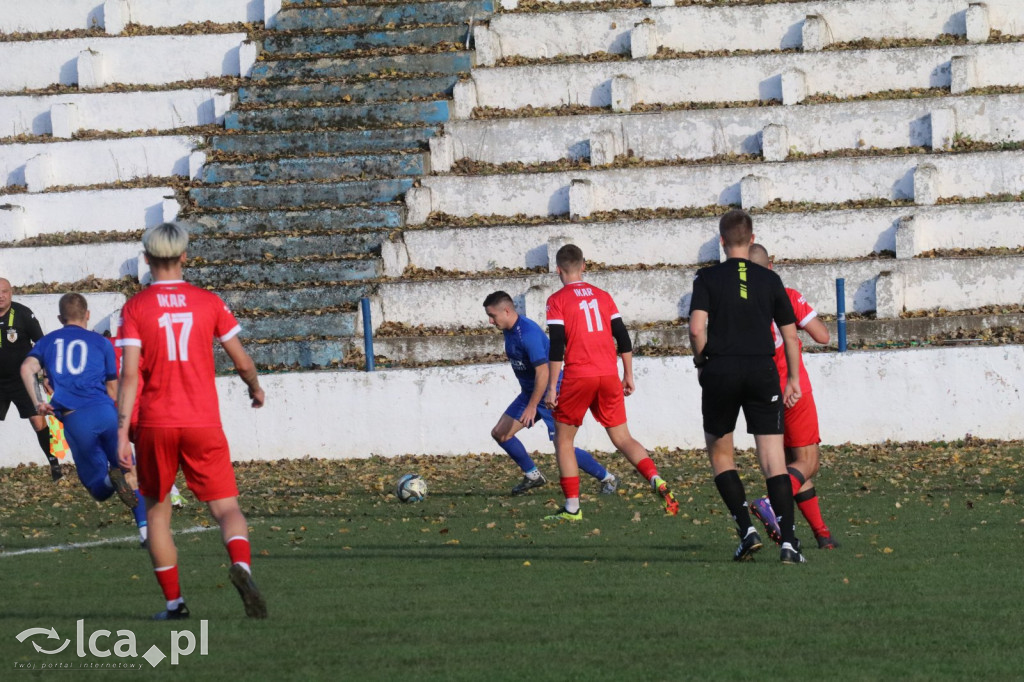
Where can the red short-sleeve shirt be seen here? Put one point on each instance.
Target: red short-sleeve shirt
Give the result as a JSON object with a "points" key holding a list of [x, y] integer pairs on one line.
{"points": [[175, 324], [586, 312], [805, 312]]}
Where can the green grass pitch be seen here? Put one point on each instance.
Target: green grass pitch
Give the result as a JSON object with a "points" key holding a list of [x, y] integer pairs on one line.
{"points": [[471, 584]]}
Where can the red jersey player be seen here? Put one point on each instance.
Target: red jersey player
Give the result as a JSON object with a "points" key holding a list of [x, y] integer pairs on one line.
{"points": [[585, 327], [801, 423], [166, 334]]}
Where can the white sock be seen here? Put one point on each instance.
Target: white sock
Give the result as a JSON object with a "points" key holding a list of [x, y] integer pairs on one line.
{"points": [[572, 504], [750, 529], [143, 533], [533, 474], [608, 477], [175, 603], [245, 566], [174, 490]]}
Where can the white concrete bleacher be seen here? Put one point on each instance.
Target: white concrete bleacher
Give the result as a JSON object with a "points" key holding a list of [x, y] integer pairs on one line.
{"points": [[71, 70], [958, 199], [779, 26]]}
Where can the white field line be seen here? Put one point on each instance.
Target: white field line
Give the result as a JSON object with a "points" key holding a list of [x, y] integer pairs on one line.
{"points": [[97, 543]]}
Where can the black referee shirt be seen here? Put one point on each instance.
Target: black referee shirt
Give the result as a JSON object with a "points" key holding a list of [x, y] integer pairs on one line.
{"points": [[741, 299], [19, 330]]}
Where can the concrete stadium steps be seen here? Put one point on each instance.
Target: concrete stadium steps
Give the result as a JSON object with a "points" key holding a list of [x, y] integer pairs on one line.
{"points": [[275, 272], [295, 17], [375, 114], [455, 347], [95, 162], [317, 168], [378, 90], [130, 60], [841, 73], [309, 142], [654, 295], [826, 234], [383, 216], [35, 265], [286, 44], [767, 26], [285, 299], [292, 353], [121, 210], [301, 194], [352, 243], [808, 129], [332, 68], [325, 324], [112, 111], [924, 178]]}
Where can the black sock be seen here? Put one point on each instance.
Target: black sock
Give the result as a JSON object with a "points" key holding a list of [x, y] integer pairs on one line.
{"points": [[43, 435], [780, 492], [730, 487], [795, 473]]}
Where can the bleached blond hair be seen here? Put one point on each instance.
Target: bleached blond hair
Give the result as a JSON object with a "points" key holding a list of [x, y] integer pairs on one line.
{"points": [[165, 241]]}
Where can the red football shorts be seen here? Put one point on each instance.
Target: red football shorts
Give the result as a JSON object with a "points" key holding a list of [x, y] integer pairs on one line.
{"points": [[802, 423], [601, 395], [202, 453]]}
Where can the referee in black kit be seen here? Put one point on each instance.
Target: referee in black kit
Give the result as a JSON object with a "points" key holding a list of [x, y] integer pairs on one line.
{"points": [[731, 313], [19, 330]]}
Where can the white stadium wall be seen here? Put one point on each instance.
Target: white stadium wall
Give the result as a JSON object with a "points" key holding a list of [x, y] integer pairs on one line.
{"points": [[862, 397]]}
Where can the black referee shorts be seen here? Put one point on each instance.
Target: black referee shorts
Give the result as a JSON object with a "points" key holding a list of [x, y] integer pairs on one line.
{"points": [[748, 382], [11, 392]]}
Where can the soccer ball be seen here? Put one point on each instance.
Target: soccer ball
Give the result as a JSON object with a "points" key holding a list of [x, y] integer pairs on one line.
{"points": [[411, 488]]}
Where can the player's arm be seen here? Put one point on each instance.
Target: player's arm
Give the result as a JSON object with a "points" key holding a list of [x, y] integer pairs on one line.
{"points": [[624, 345], [792, 347], [540, 387], [246, 369], [698, 335], [817, 331], [127, 388], [556, 356], [29, 369]]}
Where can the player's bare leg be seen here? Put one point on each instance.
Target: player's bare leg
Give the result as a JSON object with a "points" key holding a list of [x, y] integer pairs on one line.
{"points": [[568, 473], [164, 556], [235, 533], [638, 456], [771, 455], [804, 463]]}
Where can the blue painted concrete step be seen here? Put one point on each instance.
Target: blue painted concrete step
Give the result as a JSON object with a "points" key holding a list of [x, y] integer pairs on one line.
{"points": [[400, 14], [325, 141], [381, 114], [335, 43], [377, 90], [318, 168], [285, 272], [298, 354], [306, 296], [336, 324], [302, 194], [383, 216], [318, 69], [294, 245]]}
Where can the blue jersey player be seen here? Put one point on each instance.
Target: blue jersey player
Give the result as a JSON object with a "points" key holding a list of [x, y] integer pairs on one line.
{"points": [[526, 346], [82, 371]]}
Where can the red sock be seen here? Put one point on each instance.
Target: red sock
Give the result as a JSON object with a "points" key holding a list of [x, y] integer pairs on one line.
{"points": [[239, 550], [167, 576], [647, 468], [570, 486], [807, 502], [796, 483]]}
